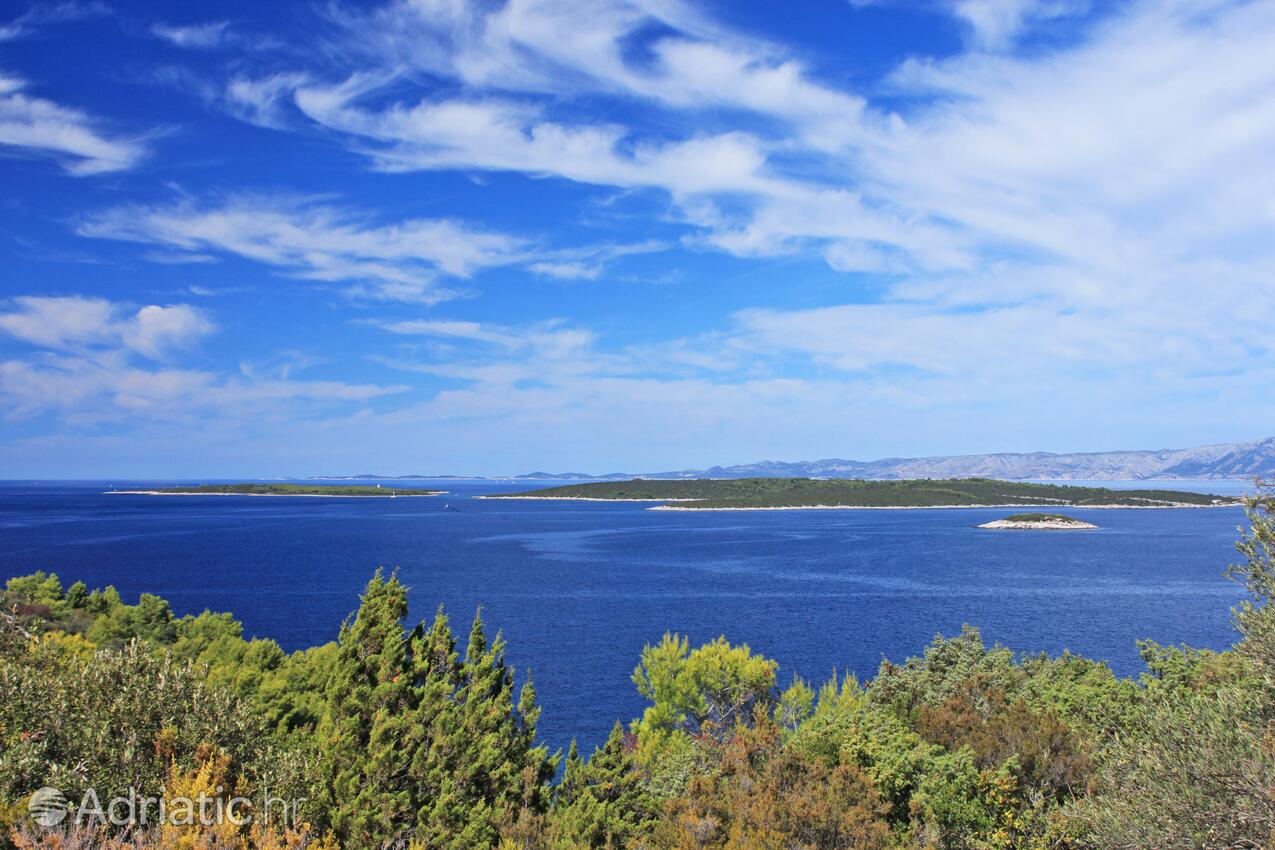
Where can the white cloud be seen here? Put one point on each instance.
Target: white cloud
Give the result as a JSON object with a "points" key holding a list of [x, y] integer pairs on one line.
{"points": [[863, 380], [1139, 115], [37, 126], [591, 262], [156, 330], [89, 392], [176, 258], [58, 322], [320, 241], [75, 323], [541, 46], [84, 368], [1139, 129], [994, 24], [310, 238], [44, 14], [567, 270], [502, 358], [1103, 206], [452, 329], [502, 135], [263, 101], [198, 36], [506, 58], [1044, 342]]}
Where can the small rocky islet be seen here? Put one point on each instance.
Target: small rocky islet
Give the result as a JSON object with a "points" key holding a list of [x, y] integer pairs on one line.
{"points": [[1038, 522]]}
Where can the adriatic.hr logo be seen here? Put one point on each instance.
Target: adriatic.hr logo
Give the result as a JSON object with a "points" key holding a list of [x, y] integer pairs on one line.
{"points": [[48, 806]]}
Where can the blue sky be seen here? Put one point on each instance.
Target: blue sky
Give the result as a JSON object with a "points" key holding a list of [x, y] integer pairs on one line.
{"points": [[491, 237]]}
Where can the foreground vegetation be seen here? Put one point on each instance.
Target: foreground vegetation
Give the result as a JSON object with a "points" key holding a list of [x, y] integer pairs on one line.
{"points": [[915, 493], [396, 736], [290, 490]]}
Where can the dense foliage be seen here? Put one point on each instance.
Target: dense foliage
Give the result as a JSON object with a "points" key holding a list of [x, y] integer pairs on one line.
{"points": [[396, 736], [911, 493]]}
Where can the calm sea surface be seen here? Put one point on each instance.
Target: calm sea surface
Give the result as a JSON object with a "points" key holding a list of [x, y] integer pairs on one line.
{"points": [[579, 587]]}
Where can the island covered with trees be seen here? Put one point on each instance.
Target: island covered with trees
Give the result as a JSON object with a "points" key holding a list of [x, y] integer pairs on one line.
{"points": [[280, 490], [398, 736], [777, 493]]}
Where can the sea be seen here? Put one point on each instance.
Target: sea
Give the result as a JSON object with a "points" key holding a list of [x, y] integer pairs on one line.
{"points": [[578, 588]]}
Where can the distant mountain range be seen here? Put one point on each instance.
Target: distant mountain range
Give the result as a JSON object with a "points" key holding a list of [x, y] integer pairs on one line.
{"points": [[1225, 460]]}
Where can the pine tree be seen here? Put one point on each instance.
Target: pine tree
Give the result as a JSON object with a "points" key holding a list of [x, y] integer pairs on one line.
{"points": [[421, 747], [435, 737], [370, 697], [566, 792], [602, 802], [77, 595], [502, 775]]}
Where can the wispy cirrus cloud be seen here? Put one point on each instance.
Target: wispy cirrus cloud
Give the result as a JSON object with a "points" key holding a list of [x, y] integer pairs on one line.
{"points": [[35, 126], [264, 101], [553, 339], [688, 60], [521, 67], [215, 35], [39, 127], [308, 238], [417, 260], [40, 15], [971, 172], [590, 262], [201, 36], [703, 174]]}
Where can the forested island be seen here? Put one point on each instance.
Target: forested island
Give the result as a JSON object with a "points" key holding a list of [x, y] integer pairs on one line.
{"points": [[280, 490], [399, 735], [779, 493]]}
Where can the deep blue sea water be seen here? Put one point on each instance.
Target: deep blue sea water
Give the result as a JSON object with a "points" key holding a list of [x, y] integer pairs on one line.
{"points": [[579, 587]]}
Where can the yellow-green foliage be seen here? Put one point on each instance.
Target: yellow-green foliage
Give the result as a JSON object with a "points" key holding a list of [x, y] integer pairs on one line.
{"points": [[287, 689], [1198, 768]]}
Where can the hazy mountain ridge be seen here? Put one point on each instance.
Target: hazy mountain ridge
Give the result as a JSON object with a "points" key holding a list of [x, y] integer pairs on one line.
{"points": [[1225, 460]]}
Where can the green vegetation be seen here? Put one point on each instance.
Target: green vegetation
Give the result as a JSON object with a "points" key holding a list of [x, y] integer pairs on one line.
{"points": [[292, 490], [1040, 518], [913, 493], [397, 737]]}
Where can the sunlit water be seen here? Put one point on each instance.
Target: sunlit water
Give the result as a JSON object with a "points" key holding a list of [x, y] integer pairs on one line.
{"points": [[579, 587]]}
